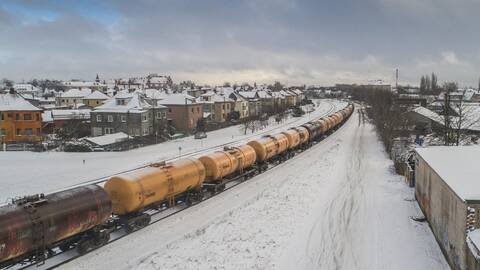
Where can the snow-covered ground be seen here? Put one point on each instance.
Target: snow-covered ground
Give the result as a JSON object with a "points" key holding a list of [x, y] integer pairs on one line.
{"points": [[23, 173], [336, 206]]}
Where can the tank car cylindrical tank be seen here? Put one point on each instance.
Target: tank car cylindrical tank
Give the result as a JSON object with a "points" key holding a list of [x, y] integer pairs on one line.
{"points": [[323, 125], [269, 146], [329, 122], [293, 138], [313, 130], [130, 192], [218, 165], [303, 133], [38, 222], [245, 154]]}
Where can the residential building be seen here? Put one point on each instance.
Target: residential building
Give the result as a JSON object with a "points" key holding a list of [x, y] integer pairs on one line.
{"points": [[268, 102], [72, 98], [290, 97], [96, 98], [216, 107], [448, 192], [254, 102], [240, 104], [130, 113], [183, 111], [96, 85], [57, 118], [27, 90], [155, 81], [20, 121]]}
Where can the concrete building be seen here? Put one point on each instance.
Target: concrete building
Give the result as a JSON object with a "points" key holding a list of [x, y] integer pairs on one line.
{"points": [[254, 102], [20, 121], [183, 111], [130, 113], [448, 192], [218, 107]]}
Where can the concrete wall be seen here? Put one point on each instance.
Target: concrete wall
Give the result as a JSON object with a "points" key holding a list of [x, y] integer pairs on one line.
{"points": [[445, 211]]}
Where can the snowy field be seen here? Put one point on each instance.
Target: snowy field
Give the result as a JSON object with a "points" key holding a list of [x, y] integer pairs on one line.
{"points": [[23, 173], [336, 206]]}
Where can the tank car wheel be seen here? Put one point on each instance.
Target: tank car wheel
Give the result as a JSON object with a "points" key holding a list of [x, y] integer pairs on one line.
{"points": [[129, 228], [65, 247], [84, 246]]}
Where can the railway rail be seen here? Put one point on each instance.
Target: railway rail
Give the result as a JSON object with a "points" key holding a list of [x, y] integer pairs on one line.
{"points": [[58, 257]]}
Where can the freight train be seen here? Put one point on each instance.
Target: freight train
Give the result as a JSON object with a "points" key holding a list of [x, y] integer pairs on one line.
{"points": [[83, 218]]}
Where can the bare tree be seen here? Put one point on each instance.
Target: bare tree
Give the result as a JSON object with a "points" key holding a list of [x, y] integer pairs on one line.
{"points": [[466, 119]]}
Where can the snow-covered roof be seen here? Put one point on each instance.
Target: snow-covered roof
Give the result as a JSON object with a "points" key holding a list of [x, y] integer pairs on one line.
{"points": [[15, 102], [457, 166], [286, 93], [97, 95], [473, 242], [297, 91], [155, 94], [49, 116], [107, 139], [248, 94], [76, 93], [263, 94], [429, 114], [177, 99], [135, 104]]}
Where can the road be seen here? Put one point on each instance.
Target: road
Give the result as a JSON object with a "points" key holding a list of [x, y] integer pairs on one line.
{"points": [[336, 206]]}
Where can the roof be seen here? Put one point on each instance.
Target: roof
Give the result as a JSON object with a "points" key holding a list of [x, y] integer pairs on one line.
{"points": [[107, 139], [263, 94], [76, 93], [96, 95], [134, 104], [457, 166], [473, 242], [49, 116], [155, 94], [177, 99], [15, 102], [248, 94], [429, 114]]}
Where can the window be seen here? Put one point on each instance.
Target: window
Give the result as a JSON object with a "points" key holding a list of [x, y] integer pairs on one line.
{"points": [[99, 118], [28, 132], [2, 117], [159, 115], [123, 118], [192, 110], [198, 109], [37, 116], [144, 117], [18, 132], [3, 132], [98, 102], [27, 117], [109, 130], [223, 106], [145, 131], [169, 110], [17, 116], [110, 118]]}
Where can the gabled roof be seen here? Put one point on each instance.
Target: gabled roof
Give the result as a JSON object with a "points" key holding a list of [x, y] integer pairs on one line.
{"points": [[263, 94], [249, 94], [177, 99], [97, 95], [15, 102], [136, 104], [76, 93], [107, 139]]}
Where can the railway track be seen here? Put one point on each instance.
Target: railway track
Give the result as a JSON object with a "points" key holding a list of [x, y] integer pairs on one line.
{"points": [[60, 258], [103, 179]]}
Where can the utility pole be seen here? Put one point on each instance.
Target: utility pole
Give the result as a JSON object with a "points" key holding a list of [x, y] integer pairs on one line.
{"points": [[396, 78]]}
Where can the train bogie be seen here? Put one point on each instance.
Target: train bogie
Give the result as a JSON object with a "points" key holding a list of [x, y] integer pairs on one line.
{"points": [[35, 224], [133, 191]]}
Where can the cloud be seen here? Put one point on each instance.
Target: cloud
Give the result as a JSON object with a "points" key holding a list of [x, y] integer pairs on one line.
{"points": [[209, 41]]}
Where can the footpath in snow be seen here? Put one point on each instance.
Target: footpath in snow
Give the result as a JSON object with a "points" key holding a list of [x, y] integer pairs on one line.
{"points": [[335, 206], [24, 173]]}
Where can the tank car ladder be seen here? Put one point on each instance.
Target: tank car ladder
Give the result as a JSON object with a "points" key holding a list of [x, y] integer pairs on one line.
{"points": [[170, 196], [38, 237]]}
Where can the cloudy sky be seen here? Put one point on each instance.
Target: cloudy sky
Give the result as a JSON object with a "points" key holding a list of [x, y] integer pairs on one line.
{"points": [[294, 41]]}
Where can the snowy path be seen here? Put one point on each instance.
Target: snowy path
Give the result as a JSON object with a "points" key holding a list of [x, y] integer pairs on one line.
{"points": [[23, 173], [336, 206]]}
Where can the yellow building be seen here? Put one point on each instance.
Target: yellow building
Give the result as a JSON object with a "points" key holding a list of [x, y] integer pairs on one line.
{"points": [[95, 99], [20, 121]]}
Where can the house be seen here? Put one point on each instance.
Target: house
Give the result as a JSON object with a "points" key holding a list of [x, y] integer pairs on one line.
{"points": [[72, 98], [96, 98], [254, 102], [268, 102], [183, 111], [280, 101], [155, 81], [298, 95], [448, 192], [27, 90], [240, 104], [20, 121], [130, 113], [290, 97], [96, 85], [219, 107], [424, 118], [57, 118]]}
